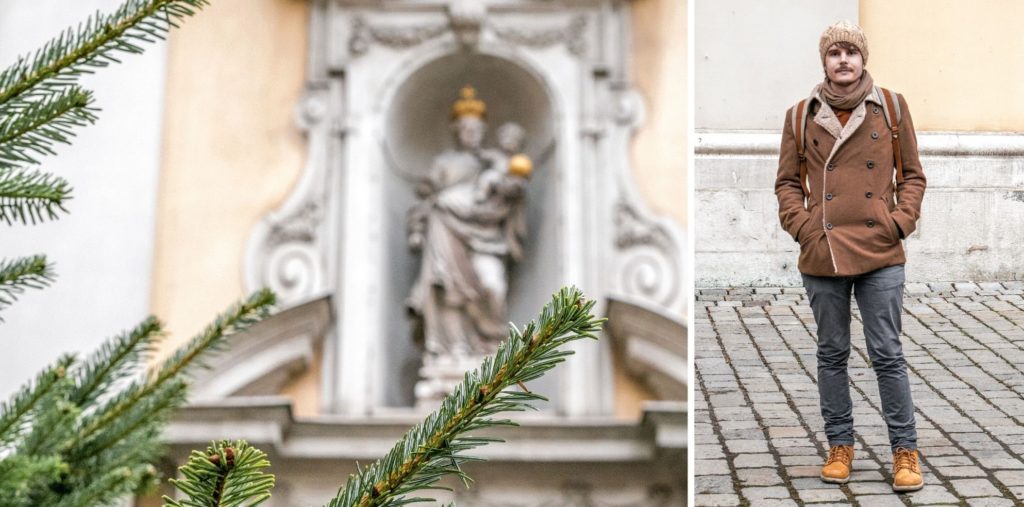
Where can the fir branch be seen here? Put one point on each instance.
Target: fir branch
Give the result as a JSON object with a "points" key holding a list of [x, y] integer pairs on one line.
{"points": [[92, 436], [101, 490], [228, 474], [52, 425], [92, 44], [234, 320], [150, 411], [15, 413], [40, 124], [21, 476], [184, 358], [434, 448], [20, 274], [31, 196], [115, 359]]}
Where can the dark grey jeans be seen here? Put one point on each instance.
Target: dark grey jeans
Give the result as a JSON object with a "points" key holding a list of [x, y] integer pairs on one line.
{"points": [[880, 299]]}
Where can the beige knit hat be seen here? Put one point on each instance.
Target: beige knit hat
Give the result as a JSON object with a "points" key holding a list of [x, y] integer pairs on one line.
{"points": [[843, 31]]}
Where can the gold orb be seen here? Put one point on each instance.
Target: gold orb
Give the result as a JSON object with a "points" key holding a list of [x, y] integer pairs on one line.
{"points": [[520, 165]]}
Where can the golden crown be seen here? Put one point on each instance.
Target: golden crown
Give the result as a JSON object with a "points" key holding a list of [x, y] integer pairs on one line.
{"points": [[468, 104]]}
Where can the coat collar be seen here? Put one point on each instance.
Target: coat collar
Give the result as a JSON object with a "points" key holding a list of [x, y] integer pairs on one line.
{"points": [[872, 96], [827, 119]]}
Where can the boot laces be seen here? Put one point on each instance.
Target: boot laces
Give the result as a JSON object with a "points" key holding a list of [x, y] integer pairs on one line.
{"points": [[839, 453], [904, 459]]}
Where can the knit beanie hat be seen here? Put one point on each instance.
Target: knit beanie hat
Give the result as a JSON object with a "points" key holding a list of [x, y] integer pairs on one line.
{"points": [[843, 31]]}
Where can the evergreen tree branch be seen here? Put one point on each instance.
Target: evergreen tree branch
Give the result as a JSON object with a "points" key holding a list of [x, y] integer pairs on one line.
{"points": [[21, 475], [52, 425], [31, 196], [20, 274], [101, 490], [434, 448], [228, 474], [59, 62], [40, 124], [182, 360], [15, 413], [88, 435], [115, 359], [149, 411]]}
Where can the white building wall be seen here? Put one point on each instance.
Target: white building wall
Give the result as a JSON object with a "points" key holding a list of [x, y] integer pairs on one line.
{"points": [[972, 218], [753, 60], [103, 249]]}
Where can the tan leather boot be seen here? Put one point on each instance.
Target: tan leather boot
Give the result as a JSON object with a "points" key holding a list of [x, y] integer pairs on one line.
{"points": [[906, 471], [838, 465]]}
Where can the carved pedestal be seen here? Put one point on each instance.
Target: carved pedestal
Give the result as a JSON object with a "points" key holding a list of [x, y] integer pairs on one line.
{"points": [[439, 377]]}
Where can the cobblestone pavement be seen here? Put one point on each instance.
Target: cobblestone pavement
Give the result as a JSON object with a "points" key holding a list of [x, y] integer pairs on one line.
{"points": [[759, 434]]}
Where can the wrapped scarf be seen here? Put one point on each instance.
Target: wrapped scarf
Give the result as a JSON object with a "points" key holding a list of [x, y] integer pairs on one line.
{"points": [[839, 100]]}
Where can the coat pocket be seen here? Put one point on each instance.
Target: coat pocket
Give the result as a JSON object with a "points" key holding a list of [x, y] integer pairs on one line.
{"points": [[812, 228], [884, 217]]}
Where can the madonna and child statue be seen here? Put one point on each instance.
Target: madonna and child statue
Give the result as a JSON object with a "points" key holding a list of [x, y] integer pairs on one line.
{"points": [[468, 226]]}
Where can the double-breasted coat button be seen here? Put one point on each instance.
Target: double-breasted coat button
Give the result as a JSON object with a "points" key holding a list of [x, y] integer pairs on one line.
{"points": [[868, 195], [871, 164], [874, 109], [871, 223], [874, 135], [828, 226], [831, 166], [828, 197]]}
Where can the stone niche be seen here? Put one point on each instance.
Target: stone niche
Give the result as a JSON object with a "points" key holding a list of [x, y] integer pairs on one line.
{"points": [[382, 77], [416, 130]]}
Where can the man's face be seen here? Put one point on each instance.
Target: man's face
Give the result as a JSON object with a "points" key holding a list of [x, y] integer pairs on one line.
{"points": [[470, 131], [843, 65]]}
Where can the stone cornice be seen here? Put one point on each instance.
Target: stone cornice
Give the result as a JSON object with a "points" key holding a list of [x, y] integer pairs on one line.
{"points": [[933, 144], [268, 423]]}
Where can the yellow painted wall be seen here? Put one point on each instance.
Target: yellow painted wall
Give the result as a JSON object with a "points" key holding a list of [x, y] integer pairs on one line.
{"points": [[659, 151], [230, 151], [956, 62], [659, 73]]}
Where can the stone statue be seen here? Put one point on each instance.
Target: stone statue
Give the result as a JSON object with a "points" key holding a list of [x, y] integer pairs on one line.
{"points": [[468, 225]]}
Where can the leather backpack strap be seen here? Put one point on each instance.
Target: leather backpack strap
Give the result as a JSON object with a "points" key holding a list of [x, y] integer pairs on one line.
{"points": [[894, 127], [799, 123]]}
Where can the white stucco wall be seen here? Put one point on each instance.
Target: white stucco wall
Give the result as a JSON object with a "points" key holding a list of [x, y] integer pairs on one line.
{"points": [[103, 248], [753, 59], [972, 218]]}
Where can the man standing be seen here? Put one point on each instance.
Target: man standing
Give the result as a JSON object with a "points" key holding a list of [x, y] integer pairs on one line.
{"points": [[850, 187]]}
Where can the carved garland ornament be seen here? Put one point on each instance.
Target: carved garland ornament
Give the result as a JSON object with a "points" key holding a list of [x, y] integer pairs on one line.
{"points": [[391, 36], [572, 35]]}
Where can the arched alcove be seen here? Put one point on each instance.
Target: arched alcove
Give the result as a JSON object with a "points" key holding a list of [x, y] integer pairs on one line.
{"points": [[417, 129]]}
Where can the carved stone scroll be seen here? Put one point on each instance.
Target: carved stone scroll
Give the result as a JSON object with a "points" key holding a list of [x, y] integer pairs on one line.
{"points": [[649, 264]]}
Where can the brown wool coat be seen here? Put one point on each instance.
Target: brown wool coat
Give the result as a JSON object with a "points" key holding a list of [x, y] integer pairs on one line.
{"points": [[849, 226]]}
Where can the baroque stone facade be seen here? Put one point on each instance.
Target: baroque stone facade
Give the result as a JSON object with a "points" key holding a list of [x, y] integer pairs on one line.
{"points": [[378, 83], [379, 87]]}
